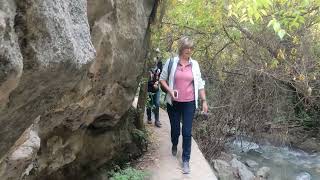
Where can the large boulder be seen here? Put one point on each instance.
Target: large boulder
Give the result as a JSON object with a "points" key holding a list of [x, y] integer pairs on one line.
{"points": [[223, 169], [10, 55], [263, 172], [243, 172], [69, 70], [251, 163], [303, 176]]}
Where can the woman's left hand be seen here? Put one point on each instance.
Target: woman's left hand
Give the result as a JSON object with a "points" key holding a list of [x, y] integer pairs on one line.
{"points": [[204, 107]]}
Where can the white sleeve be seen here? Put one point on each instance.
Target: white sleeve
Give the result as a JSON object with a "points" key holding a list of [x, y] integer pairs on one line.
{"points": [[164, 73], [201, 82]]}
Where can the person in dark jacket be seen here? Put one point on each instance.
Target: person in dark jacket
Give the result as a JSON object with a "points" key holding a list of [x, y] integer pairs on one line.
{"points": [[154, 93]]}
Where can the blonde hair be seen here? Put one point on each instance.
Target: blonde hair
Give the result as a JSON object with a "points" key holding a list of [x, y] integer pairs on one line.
{"points": [[184, 43]]}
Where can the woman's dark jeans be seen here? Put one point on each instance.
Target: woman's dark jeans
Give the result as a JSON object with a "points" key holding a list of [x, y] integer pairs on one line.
{"points": [[176, 112]]}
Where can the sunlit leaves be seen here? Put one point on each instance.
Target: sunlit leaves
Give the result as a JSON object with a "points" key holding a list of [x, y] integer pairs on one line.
{"points": [[285, 15], [204, 21], [277, 28], [281, 54], [274, 63], [249, 10], [281, 33], [197, 14], [301, 77]]}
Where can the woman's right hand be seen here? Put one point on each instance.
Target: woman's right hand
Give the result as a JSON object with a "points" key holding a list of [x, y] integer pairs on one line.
{"points": [[171, 92]]}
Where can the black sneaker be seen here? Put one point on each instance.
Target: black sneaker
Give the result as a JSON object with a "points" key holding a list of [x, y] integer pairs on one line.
{"points": [[158, 124], [185, 167], [174, 150], [149, 121]]}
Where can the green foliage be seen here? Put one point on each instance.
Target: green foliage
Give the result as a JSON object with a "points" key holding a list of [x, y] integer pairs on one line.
{"points": [[305, 119], [128, 174], [286, 15], [150, 103], [163, 103], [194, 13], [140, 138], [279, 119], [138, 134], [308, 118], [240, 40]]}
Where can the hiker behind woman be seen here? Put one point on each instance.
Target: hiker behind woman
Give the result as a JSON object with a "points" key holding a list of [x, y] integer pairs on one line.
{"points": [[183, 88], [154, 92]]}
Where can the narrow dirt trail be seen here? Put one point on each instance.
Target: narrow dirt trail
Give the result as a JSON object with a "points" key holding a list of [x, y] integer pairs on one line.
{"points": [[160, 163]]}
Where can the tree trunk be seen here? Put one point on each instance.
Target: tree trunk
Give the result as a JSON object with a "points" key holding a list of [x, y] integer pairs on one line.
{"points": [[144, 77]]}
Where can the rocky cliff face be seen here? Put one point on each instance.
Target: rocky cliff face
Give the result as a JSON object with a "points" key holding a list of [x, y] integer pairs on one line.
{"points": [[68, 74]]}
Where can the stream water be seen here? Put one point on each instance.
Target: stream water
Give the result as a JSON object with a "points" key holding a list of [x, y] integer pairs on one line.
{"points": [[285, 163]]}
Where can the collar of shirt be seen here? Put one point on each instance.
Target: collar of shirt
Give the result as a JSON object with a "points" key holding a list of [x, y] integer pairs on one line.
{"points": [[189, 62]]}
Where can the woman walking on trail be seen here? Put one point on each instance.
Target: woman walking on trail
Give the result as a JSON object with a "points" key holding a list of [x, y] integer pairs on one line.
{"points": [[183, 86]]}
